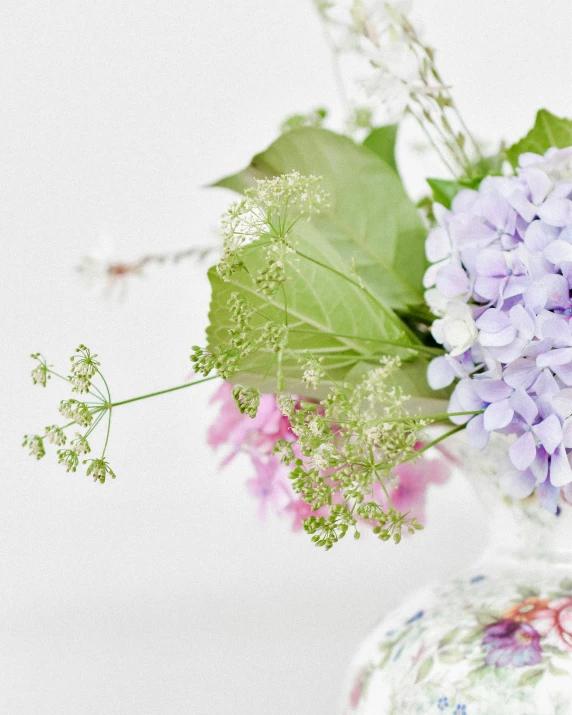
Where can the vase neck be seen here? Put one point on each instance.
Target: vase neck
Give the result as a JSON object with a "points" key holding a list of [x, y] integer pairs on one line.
{"points": [[526, 531], [518, 528]]}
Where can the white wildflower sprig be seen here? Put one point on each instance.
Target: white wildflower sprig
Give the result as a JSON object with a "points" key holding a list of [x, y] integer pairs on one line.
{"points": [[313, 371], [349, 444], [244, 338], [41, 372], [56, 435], [270, 209], [84, 370], [84, 367], [77, 411], [35, 444], [402, 76], [246, 399], [99, 469]]}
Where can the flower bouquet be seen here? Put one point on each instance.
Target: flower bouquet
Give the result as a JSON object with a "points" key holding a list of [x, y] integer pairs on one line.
{"points": [[353, 330]]}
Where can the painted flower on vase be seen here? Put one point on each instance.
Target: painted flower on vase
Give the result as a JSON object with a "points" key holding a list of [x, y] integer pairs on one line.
{"points": [[556, 618], [512, 643], [526, 611]]}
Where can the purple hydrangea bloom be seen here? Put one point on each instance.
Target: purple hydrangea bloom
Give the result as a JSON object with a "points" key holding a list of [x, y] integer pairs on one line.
{"points": [[512, 643], [500, 283]]}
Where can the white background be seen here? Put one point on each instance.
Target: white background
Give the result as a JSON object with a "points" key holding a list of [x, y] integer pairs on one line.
{"points": [[161, 592]]}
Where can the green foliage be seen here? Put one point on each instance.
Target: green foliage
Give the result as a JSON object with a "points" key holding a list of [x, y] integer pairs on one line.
{"points": [[381, 141], [370, 221], [347, 447], [531, 677], [342, 275], [315, 118], [548, 131], [444, 191]]}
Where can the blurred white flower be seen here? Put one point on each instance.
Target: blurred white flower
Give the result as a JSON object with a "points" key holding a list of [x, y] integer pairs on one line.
{"points": [[457, 330], [102, 273]]}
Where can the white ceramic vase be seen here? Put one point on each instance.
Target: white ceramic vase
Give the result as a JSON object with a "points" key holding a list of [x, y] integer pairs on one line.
{"points": [[497, 639]]}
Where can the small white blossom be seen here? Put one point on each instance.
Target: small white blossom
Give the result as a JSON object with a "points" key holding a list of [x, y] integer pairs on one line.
{"points": [[457, 330]]}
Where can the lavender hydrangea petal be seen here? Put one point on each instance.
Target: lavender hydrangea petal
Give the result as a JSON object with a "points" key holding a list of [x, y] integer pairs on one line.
{"points": [[555, 357], [492, 390], [438, 245], [521, 373], [517, 484], [522, 321], [440, 374], [539, 184], [539, 466], [556, 212], [476, 433], [452, 281], [540, 235], [498, 415], [549, 432], [522, 451], [560, 470], [524, 405], [493, 321], [548, 496], [558, 252]]}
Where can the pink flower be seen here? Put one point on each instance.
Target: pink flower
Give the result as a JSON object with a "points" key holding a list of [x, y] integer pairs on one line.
{"points": [[558, 618], [243, 433], [414, 481], [271, 485]]}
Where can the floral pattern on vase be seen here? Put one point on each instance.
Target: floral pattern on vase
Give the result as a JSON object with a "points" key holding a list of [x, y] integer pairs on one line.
{"points": [[497, 639]]}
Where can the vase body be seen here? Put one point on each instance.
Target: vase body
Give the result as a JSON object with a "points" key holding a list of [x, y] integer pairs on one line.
{"points": [[496, 639]]}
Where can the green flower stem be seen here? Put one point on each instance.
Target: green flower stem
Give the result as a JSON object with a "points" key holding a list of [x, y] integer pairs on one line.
{"points": [[107, 434], [430, 444], [98, 419], [162, 392], [69, 424], [433, 352], [99, 396], [442, 416]]}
